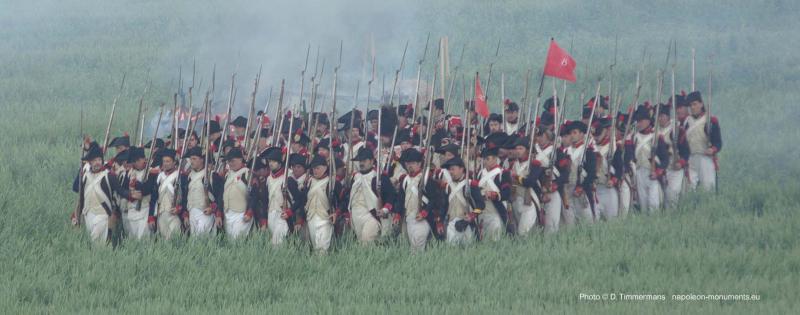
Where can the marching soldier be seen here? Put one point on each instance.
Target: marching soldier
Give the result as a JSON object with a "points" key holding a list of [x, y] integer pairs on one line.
{"points": [[283, 199], [705, 140], [580, 187], [464, 203], [512, 124], [495, 184], [230, 187], [195, 200], [141, 185], [319, 210], [525, 200], [651, 161], [165, 217], [259, 191], [609, 164], [96, 186], [367, 220], [677, 148], [551, 180], [412, 202]]}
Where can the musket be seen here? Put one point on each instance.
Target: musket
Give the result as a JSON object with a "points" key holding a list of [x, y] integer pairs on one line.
{"points": [[111, 117], [174, 124], [348, 164], [139, 119], [693, 68], [452, 82], [611, 69], [150, 155], [391, 103], [708, 107], [278, 116], [254, 148], [303, 80], [428, 148], [491, 66], [419, 73], [333, 125], [531, 132], [314, 96], [250, 113], [217, 163], [588, 131], [657, 127], [503, 100], [524, 100]]}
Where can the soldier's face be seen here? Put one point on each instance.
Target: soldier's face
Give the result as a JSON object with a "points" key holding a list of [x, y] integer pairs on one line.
{"points": [[140, 164], [365, 165], [274, 165], [374, 124], [319, 171], [494, 126], [448, 156], [413, 167], [512, 116], [167, 163], [405, 145], [576, 135], [456, 172], [566, 140], [355, 133], [96, 164], [197, 162], [323, 152], [192, 142], [663, 120], [682, 112], [120, 148], [298, 170], [520, 152], [697, 107], [642, 124], [235, 164], [296, 147], [490, 161]]}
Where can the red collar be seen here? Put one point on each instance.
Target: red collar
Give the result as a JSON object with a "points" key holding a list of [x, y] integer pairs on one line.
{"points": [[605, 141], [415, 173], [577, 145], [278, 173], [546, 146], [493, 168]]}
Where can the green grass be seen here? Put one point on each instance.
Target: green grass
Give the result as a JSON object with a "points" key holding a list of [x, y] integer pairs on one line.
{"points": [[57, 56]]}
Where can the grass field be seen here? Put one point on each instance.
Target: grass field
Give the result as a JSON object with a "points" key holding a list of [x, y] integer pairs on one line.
{"points": [[58, 55]]}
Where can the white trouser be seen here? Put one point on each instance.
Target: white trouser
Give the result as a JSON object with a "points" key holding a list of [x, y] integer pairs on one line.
{"points": [[417, 233], [674, 186], [701, 170], [199, 222], [552, 213], [459, 238], [235, 225], [579, 209], [649, 191], [492, 226], [320, 231], [168, 225], [607, 202], [525, 215], [278, 227], [365, 226], [624, 197], [97, 226], [135, 223]]}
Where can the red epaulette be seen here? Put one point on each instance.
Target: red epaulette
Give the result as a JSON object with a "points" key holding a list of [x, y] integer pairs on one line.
{"points": [[714, 120]]}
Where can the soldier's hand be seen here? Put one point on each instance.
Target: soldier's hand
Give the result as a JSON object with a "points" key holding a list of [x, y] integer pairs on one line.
{"points": [[710, 151], [208, 211], [74, 219], [492, 195], [440, 228], [578, 191], [396, 219], [247, 218], [545, 198], [136, 195], [218, 222], [286, 214], [332, 217]]}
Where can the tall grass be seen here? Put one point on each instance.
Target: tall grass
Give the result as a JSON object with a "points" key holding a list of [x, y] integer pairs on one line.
{"points": [[57, 56]]}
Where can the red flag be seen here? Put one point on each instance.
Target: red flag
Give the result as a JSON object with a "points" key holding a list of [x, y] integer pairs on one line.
{"points": [[559, 63], [480, 99]]}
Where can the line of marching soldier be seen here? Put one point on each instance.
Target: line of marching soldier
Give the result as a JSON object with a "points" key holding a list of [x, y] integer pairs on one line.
{"points": [[391, 174]]}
